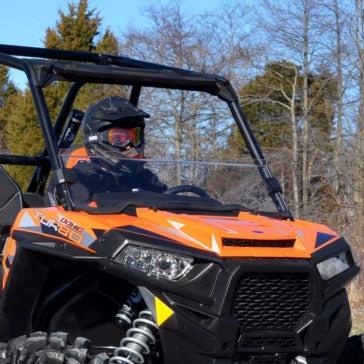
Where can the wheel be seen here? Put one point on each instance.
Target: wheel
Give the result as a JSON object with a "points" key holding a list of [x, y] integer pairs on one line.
{"points": [[187, 188], [41, 348]]}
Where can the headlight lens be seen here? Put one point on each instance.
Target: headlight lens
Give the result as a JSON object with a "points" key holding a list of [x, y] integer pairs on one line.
{"points": [[154, 262], [333, 266]]}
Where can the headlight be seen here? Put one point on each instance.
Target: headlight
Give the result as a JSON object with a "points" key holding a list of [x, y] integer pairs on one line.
{"points": [[333, 266], [154, 262]]}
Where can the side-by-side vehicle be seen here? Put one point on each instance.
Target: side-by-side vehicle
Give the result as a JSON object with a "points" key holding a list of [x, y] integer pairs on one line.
{"points": [[212, 270]]}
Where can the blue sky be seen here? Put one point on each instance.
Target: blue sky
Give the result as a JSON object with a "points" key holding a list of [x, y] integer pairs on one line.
{"points": [[24, 22]]}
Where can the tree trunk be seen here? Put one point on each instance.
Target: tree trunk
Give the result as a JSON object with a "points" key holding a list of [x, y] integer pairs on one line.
{"points": [[359, 183], [339, 91], [306, 126]]}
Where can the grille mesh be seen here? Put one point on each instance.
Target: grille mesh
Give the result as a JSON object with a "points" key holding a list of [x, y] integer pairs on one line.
{"points": [[287, 243], [265, 359], [271, 301], [258, 342]]}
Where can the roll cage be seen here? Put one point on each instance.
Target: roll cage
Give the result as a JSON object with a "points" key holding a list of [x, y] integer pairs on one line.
{"points": [[43, 66]]}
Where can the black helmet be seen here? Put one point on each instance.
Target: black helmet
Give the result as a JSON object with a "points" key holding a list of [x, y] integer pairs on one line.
{"points": [[113, 127]]}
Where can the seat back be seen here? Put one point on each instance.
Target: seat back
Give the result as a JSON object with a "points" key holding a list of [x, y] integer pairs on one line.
{"points": [[11, 201]]}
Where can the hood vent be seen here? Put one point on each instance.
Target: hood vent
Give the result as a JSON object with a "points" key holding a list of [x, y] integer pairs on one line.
{"points": [[251, 243]]}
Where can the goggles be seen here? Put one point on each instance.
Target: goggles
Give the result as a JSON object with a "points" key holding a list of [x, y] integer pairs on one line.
{"points": [[122, 137]]}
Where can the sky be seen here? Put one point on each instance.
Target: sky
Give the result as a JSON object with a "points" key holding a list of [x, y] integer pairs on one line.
{"points": [[24, 22]]}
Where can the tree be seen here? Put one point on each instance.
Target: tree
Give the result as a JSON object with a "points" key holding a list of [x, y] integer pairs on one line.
{"points": [[171, 39], [92, 93], [359, 163], [7, 92], [293, 29], [76, 30], [23, 135], [338, 53], [269, 101], [79, 30], [195, 43], [274, 105]]}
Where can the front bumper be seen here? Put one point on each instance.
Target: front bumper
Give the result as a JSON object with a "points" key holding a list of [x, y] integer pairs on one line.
{"points": [[262, 310]]}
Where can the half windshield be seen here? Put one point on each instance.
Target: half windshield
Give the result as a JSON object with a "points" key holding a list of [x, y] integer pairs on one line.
{"points": [[193, 159], [114, 185]]}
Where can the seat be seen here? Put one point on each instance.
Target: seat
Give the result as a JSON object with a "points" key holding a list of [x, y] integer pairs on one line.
{"points": [[11, 202], [11, 199]]}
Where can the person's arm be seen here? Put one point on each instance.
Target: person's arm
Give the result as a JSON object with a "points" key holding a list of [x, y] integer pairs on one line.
{"points": [[151, 182]]}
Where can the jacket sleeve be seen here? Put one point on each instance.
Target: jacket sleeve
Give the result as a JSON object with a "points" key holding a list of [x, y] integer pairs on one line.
{"points": [[151, 182]]}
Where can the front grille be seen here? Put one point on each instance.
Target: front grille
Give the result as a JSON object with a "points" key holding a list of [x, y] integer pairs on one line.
{"points": [[264, 359], [252, 243], [270, 304], [283, 342]]}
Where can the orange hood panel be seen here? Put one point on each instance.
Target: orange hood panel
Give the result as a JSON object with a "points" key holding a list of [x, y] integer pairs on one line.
{"points": [[246, 235], [210, 233]]}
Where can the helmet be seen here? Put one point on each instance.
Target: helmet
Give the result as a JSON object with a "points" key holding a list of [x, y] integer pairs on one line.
{"points": [[114, 127]]}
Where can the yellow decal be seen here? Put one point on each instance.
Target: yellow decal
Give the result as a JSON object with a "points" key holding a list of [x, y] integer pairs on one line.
{"points": [[163, 312]]}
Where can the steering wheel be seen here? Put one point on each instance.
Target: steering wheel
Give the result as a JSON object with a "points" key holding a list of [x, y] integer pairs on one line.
{"points": [[187, 188]]}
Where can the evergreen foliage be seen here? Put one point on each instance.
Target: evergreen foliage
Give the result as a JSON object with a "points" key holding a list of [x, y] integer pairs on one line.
{"points": [[270, 98], [23, 135], [92, 93], [78, 29], [323, 95], [7, 92], [274, 104]]}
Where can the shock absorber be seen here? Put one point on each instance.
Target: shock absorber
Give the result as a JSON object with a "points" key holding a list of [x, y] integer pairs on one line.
{"points": [[136, 343], [130, 309]]}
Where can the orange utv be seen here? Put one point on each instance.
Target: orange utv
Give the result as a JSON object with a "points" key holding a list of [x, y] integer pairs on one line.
{"points": [[214, 270]]}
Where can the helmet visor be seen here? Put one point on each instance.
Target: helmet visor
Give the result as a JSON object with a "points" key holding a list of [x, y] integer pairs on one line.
{"points": [[124, 137]]}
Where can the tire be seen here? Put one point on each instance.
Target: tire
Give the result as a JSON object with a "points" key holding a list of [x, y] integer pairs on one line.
{"points": [[43, 348]]}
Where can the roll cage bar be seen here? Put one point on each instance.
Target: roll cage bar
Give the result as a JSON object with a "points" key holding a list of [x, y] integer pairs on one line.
{"points": [[42, 66]]}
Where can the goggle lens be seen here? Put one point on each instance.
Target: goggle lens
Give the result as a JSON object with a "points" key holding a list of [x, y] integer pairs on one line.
{"points": [[120, 137]]}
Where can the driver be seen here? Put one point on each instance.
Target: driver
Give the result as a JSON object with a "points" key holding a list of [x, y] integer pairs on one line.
{"points": [[113, 131]]}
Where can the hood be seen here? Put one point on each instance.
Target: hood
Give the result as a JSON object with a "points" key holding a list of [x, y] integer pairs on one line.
{"points": [[246, 235]]}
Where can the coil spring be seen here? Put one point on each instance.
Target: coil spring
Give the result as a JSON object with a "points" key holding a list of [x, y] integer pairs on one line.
{"points": [[136, 343]]}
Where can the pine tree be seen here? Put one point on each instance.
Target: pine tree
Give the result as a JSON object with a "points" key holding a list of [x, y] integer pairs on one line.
{"points": [[268, 100], [76, 30], [92, 93], [23, 135], [7, 92], [274, 105]]}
